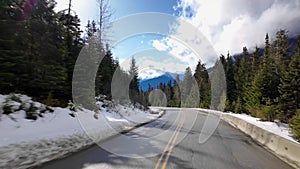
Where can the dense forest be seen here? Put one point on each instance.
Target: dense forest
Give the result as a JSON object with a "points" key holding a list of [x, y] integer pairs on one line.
{"points": [[39, 48]]}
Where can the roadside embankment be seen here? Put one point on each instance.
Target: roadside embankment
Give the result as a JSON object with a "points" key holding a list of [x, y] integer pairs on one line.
{"points": [[285, 149]]}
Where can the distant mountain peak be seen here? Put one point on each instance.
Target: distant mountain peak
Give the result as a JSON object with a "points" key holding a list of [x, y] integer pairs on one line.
{"points": [[155, 81]]}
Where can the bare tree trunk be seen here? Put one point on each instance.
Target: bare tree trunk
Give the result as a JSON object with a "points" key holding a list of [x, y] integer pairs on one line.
{"points": [[104, 17], [100, 18], [69, 26]]}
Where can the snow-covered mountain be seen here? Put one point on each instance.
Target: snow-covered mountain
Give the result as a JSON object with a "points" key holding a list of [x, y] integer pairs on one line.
{"points": [[154, 82]]}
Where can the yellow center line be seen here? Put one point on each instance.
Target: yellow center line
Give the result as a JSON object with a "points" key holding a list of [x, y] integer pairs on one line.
{"points": [[171, 148], [166, 148]]}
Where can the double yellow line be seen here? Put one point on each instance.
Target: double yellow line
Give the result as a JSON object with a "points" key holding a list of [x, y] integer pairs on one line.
{"points": [[169, 146]]}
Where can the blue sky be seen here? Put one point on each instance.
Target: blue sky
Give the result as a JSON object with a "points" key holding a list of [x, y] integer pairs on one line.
{"points": [[204, 29], [123, 8], [87, 9], [151, 61]]}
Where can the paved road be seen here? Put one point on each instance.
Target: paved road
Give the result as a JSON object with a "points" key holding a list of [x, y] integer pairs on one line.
{"points": [[178, 135]]}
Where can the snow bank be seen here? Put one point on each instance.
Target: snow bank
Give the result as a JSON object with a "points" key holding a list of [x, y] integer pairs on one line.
{"points": [[25, 142], [282, 129]]}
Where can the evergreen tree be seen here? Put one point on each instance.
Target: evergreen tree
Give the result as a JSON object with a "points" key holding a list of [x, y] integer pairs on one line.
{"points": [[262, 96], [91, 29], [242, 79], [255, 62], [252, 95], [168, 92], [120, 91], [70, 33], [289, 87], [295, 125], [269, 78], [218, 87], [202, 79], [176, 99], [281, 51], [190, 90], [186, 86], [12, 63], [192, 99], [134, 84], [105, 73], [39, 69], [230, 81]]}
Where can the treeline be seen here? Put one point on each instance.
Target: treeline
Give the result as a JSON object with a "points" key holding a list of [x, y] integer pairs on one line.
{"points": [[39, 48], [181, 93], [264, 83]]}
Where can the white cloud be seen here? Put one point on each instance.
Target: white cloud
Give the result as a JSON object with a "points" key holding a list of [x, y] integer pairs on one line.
{"points": [[188, 45], [178, 50], [148, 68], [232, 24], [159, 45], [228, 25]]}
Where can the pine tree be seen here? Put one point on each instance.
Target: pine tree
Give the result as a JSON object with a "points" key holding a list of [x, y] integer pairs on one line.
{"points": [[255, 62], [84, 77], [12, 63], [192, 99], [168, 92], [253, 95], [230, 81], [242, 79], [120, 91], [295, 125], [202, 79], [91, 29], [46, 54], [186, 86], [289, 87], [281, 51], [70, 34], [33, 55], [176, 99], [134, 84], [262, 96], [269, 78], [190, 90], [105, 74], [218, 87]]}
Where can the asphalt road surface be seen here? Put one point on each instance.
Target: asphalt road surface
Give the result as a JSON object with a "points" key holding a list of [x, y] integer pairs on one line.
{"points": [[173, 142]]}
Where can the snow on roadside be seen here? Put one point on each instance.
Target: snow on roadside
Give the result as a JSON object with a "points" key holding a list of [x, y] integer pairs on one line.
{"points": [[58, 123], [25, 143], [282, 129]]}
